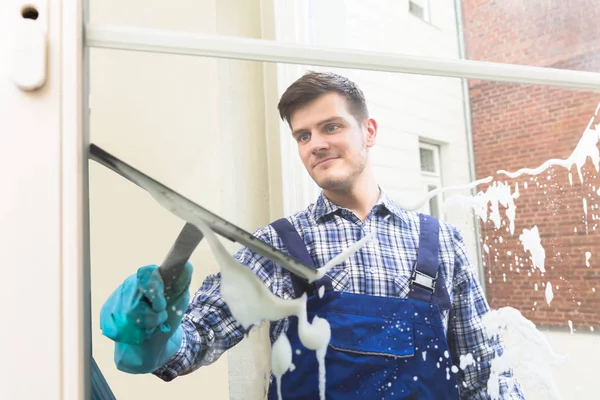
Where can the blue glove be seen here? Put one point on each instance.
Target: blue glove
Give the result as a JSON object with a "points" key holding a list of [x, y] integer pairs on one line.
{"points": [[144, 321]]}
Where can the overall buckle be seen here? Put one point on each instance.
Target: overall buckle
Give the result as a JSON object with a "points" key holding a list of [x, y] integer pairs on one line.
{"points": [[423, 280]]}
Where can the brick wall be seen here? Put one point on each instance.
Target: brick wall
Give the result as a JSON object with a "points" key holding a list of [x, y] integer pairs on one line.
{"points": [[530, 32], [516, 126]]}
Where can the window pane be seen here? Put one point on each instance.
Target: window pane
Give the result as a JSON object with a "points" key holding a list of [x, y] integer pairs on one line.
{"points": [[209, 129], [427, 160], [416, 10]]}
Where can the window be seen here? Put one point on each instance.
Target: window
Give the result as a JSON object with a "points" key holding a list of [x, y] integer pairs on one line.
{"points": [[420, 9], [431, 176], [428, 159]]}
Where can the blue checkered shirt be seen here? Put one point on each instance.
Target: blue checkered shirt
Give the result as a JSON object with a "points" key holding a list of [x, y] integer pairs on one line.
{"points": [[381, 268]]}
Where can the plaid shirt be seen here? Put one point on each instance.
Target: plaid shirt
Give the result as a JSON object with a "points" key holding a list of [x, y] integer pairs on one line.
{"points": [[382, 268]]}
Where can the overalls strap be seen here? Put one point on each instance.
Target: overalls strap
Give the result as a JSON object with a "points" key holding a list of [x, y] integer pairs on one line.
{"points": [[297, 248], [292, 241], [426, 283]]}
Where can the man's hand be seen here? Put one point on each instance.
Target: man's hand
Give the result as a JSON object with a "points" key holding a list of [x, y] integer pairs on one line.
{"points": [[143, 320]]}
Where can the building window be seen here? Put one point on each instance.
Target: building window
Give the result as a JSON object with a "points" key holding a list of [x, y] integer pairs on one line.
{"points": [[430, 159], [431, 176], [420, 9]]}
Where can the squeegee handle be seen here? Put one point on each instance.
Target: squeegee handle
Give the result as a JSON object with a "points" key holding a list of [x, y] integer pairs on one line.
{"points": [[179, 254]]}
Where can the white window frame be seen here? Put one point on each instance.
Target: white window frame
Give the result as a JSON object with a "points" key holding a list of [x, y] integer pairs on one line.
{"points": [[46, 253], [61, 264]]}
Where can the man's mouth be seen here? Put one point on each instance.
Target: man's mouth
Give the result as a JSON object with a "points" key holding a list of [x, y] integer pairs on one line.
{"points": [[325, 161]]}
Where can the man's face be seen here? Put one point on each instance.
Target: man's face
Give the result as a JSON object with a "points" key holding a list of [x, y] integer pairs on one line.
{"points": [[332, 145]]}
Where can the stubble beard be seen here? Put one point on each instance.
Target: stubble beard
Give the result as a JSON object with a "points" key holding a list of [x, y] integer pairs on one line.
{"points": [[344, 184]]}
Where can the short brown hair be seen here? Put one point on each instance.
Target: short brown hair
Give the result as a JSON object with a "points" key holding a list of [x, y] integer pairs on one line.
{"points": [[312, 85]]}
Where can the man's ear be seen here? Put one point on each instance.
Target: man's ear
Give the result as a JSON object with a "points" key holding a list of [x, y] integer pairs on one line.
{"points": [[371, 129]]}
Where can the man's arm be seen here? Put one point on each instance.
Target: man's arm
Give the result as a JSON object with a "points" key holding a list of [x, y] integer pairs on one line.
{"points": [[467, 335], [208, 327]]}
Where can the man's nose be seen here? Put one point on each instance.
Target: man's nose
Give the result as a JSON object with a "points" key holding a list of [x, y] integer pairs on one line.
{"points": [[318, 143]]}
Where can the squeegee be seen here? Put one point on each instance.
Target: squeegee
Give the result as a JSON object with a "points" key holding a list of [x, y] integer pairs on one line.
{"points": [[189, 211]]}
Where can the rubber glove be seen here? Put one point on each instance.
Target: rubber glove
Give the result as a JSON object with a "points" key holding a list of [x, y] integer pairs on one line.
{"points": [[144, 321]]}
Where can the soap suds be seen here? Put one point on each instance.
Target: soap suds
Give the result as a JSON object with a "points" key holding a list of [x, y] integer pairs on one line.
{"points": [[526, 350], [466, 360], [496, 192], [570, 326], [587, 147], [486, 204], [281, 359], [321, 291], [423, 201], [549, 293], [530, 238], [588, 255]]}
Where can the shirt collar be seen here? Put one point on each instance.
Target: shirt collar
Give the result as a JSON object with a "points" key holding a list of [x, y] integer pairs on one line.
{"points": [[324, 207]]}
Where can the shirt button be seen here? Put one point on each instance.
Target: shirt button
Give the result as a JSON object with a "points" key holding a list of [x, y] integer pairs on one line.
{"points": [[372, 270]]}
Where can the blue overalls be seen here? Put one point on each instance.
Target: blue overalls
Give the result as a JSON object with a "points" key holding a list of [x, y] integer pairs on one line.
{"points": [[380, 347]]}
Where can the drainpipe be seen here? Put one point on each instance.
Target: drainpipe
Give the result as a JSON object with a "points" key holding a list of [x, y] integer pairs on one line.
{"points": [[469, 132]]}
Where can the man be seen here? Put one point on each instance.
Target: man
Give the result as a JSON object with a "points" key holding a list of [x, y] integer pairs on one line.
{"points": [[402, 310]]}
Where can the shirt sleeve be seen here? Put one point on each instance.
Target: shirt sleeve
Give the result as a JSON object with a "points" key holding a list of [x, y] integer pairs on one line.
{"points": [[209, 327], [467, 335]]}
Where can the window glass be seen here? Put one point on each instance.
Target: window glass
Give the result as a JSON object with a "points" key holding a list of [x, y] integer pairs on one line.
{"points": [[428, 163], [529, 224], [514, 167]]}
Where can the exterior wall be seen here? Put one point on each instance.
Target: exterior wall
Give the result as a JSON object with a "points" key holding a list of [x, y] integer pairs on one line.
{"points": [[516, 126]]}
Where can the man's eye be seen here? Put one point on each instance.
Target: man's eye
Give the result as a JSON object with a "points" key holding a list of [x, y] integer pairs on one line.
{"points": [[304, 137], [331, 128]]}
